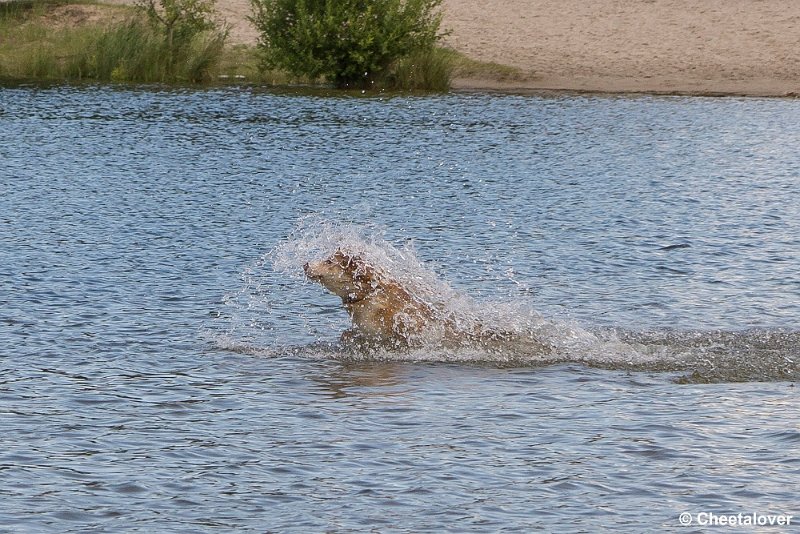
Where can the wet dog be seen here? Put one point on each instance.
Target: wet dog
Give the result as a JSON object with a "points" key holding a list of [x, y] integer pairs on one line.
{"points": [[380, 308]]}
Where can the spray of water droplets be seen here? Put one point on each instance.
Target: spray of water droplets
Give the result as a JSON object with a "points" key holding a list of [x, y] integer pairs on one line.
{"points": [[277, 312]]}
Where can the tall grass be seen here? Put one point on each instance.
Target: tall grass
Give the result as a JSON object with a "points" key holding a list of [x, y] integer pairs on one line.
{"points": [[429, 70], [128, 51]]}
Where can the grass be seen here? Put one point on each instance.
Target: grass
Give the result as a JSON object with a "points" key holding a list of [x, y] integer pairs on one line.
{"points": [[132, 51], [115, 45], [78, 40], [33, 49], [241, 63], [464, 67], [431, 70], [435, 70]]}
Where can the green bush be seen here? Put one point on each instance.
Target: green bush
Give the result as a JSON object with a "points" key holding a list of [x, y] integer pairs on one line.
{"points": [[351, 43]]}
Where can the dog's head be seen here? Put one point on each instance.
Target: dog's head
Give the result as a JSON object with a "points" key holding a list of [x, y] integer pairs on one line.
{"points": [[343, 274]]}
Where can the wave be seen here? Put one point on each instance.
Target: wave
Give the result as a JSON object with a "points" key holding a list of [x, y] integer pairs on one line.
{"points": [[278, 313]]}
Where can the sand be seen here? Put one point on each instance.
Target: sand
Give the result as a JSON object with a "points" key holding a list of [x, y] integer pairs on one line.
{"points": [[657, 46], [748, 47]]}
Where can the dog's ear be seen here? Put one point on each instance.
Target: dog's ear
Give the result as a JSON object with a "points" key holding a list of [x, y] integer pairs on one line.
{"points": [[340, 258], [347, 261]]}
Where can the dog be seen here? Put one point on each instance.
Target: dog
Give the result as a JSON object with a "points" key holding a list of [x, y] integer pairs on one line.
{"points": [[385, 313], [381, 309]]}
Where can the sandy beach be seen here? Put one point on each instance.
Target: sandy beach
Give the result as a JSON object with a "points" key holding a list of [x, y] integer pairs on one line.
{"points": [[749, 47], [663, 46]]}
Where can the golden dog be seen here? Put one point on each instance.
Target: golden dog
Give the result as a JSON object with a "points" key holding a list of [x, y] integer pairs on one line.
{"points": [[380, 308]]}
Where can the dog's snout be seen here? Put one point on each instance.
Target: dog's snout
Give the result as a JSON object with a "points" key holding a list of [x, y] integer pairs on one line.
{"points": [[305, 268]]}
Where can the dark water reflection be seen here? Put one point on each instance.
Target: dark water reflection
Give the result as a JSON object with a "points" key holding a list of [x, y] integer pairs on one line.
{"points": [[127, 219]]}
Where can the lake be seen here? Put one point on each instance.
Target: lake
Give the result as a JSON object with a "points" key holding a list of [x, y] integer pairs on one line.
{"points": [[166, 367]]}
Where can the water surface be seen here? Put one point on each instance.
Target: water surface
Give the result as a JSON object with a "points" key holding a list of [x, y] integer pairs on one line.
{"points": [[165, 367]]}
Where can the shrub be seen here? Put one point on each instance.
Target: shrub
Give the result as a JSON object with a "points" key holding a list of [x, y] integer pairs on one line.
{"points": [[350, 43]]}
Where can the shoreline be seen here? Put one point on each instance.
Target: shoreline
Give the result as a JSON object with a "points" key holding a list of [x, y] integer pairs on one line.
{"points": [[657, 47], [624, 88], [654, 47]]}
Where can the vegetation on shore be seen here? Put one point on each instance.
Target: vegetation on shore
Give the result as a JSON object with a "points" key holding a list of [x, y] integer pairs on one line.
{"points": [[114, 43], [78, 40], [353, 43]]}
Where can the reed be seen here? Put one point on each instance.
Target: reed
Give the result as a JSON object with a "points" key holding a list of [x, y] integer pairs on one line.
{"points": [[130, 50], [435, 69], [429, 70]]}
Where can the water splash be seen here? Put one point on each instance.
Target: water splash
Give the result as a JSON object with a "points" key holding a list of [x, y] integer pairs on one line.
{"points": [[315, 239], [277, 312]]}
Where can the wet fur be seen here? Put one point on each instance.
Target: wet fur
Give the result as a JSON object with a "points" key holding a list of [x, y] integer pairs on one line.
{"points": [[381, 309]]}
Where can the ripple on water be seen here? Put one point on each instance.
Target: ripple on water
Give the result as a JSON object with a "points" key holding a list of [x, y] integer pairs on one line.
{"points": [[159, 373], [702, 356]]}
